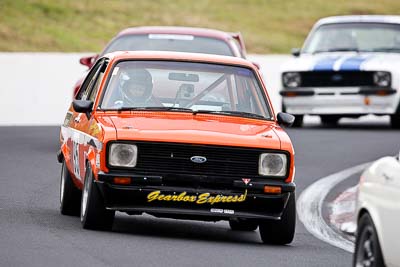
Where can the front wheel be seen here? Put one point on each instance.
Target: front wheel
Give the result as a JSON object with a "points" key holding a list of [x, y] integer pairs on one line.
{"points": [[94, 215], [280, 232], [329, 120], [298, 121], [395, 121], [368, 250], [70, 196]]}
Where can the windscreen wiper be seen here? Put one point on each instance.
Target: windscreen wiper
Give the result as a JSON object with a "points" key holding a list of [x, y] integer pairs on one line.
{"points": [[343, 49], [223, 112], [386, 49], [154, 109], [230, 112], [353, 49]]}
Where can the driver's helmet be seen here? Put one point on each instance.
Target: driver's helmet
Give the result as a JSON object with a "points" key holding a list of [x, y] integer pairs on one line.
{"points": [[136, 87]]}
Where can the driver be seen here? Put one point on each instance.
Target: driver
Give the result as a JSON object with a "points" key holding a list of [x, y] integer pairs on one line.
{"points": [[136, 89]]}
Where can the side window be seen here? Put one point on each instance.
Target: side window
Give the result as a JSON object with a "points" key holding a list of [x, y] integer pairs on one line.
{"points": [[86, 85], [96, 85]]}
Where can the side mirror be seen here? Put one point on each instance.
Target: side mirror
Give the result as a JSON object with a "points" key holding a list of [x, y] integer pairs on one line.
{"points": [[83, 106], [285, 119], [296, 52], [88, 61]]}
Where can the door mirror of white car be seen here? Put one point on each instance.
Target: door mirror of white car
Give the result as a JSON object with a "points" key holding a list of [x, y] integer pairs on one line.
{"points": [[296, 52]]}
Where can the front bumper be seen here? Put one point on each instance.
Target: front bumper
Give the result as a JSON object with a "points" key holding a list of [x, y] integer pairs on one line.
{"points": [[340, 101], [147, 194]]}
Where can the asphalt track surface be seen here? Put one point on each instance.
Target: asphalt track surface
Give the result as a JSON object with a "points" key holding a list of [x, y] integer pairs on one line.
{"points": [[34, 233]]}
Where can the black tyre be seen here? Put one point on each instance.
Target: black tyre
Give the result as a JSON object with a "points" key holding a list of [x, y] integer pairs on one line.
{"points": [[368, 250], [298, 121], [243, 225], [395, 121], [94, 215], [329, 120], [70, 195], [280, 232]]}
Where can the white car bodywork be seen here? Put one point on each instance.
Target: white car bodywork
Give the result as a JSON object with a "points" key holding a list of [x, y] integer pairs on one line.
{"points": [[379, 196], [333, 98]]}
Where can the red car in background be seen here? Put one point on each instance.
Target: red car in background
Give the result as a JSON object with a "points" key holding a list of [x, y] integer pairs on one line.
{"points": [[165, 38]]}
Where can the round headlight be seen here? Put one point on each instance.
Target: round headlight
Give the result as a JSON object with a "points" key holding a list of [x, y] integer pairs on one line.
{"points": [[382, 78], [122, 155], [291, 79], [272, 164]]}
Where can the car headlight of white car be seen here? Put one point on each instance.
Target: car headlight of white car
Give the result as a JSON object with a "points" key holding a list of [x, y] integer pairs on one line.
{"points": [[272, 164], [122, 155], [291, 79], [382, 78]]}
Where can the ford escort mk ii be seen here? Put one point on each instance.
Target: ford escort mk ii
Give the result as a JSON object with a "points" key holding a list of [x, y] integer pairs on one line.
{"points": [[348, 67], [178, 135]]}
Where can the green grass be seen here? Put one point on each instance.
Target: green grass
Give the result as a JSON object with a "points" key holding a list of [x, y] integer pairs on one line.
{"points": [[268, 26]]}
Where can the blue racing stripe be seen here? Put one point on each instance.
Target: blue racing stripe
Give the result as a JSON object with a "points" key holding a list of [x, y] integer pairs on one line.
{"points": [[325, 64], [353, 63]]}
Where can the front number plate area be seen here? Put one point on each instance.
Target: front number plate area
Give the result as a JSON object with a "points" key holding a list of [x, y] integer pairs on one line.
{"points": [[198, 199]]}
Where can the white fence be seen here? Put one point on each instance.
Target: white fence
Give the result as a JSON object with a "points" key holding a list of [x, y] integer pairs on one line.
{"points": [[36, 88]]}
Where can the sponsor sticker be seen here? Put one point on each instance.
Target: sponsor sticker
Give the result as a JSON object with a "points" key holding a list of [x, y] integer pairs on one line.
{"points": [[246, 180], [182, 37], [115, 71], [204, 198], [226, 211]]}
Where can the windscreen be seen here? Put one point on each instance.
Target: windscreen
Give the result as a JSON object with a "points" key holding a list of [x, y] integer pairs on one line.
{"points": [[170, 42], [361, 37], [185, 86]]}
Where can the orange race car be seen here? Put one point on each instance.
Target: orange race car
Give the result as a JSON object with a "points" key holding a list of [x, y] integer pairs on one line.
{"points": [[178, 135]]}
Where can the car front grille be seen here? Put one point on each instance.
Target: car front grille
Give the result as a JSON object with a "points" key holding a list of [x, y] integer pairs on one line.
{"points": [[175, 158], [172, 162], [336, 78]]}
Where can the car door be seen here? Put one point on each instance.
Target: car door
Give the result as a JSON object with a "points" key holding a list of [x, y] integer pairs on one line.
{"points": [[79, 122]]}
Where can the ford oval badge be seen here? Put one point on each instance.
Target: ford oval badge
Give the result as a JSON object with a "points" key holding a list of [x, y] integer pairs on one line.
{"points": [[198, 159], [337, 78]]}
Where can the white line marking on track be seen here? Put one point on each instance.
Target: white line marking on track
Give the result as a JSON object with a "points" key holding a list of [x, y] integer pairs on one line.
{"points": [[309, 207]]}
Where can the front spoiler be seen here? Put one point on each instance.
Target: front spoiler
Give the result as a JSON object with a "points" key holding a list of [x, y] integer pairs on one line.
{"points": [[343, 101], [134, 199]]}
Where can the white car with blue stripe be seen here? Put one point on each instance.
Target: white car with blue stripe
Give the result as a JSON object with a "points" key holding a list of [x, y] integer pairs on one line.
{"points": [[349, 66]]}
